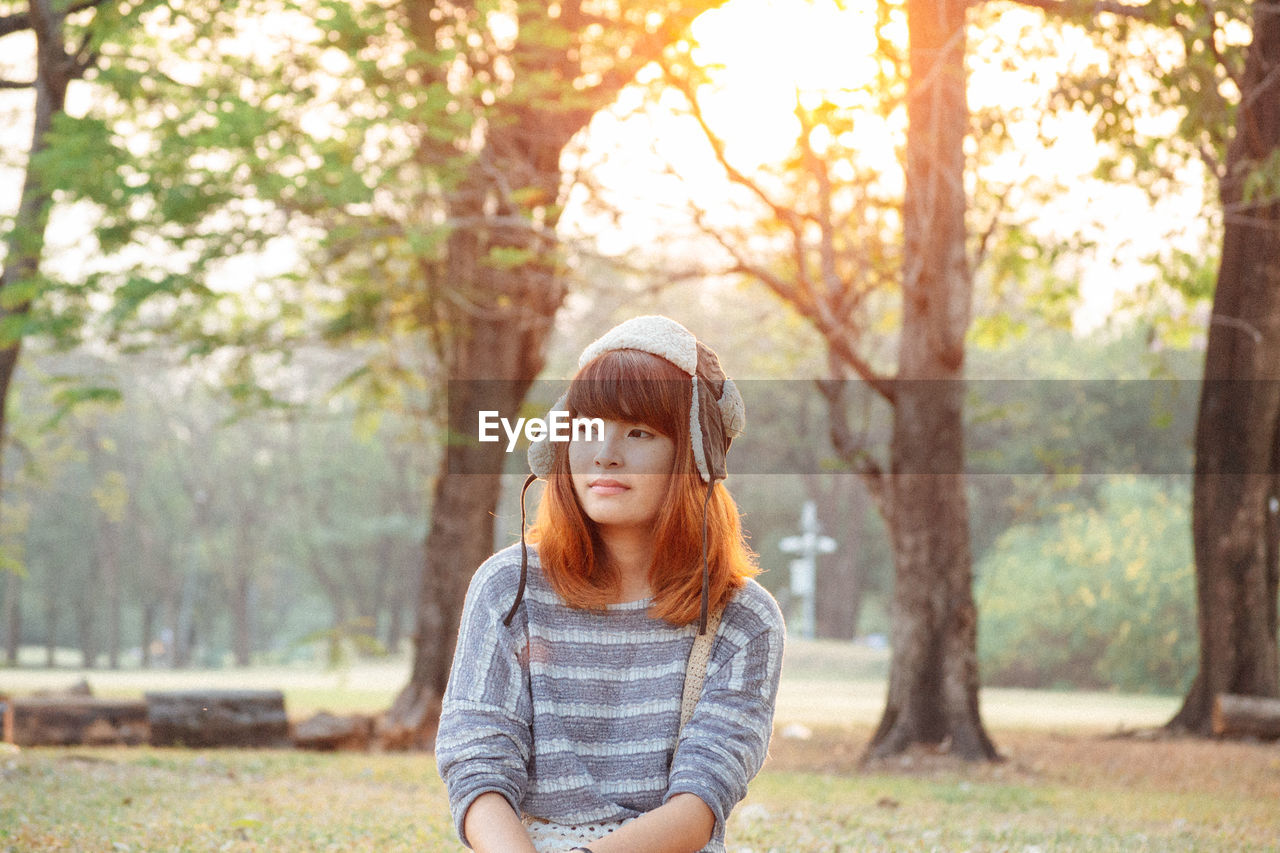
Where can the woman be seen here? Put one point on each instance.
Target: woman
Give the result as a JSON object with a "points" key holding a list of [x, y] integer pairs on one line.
{"points": [[562, 722]]}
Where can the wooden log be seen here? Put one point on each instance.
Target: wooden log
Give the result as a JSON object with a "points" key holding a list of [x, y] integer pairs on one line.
{"points": [[327, 732], [205, 718], [77, 721], [6, 719], [1246, 716]]}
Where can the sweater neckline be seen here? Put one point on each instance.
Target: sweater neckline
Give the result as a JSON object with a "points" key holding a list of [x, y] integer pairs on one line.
{"points": [[638, 604]]}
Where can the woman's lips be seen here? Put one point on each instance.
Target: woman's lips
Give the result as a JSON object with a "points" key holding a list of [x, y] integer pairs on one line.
{"points": [[607, 487]]}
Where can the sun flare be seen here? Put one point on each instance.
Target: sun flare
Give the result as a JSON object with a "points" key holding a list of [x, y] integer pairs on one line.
{"points": [[764, 55]]}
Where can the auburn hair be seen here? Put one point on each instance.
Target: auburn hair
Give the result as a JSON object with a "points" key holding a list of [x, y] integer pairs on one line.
{"points": [[636, 387]]}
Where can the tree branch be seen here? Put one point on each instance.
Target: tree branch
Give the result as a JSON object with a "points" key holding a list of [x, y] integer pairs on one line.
{"points": [[17, 84], [783, 213], [1211, 15], [15, 23], [813, 302], [19, 21]]}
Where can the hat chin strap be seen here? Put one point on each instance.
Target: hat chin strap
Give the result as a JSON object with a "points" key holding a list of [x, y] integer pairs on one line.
{"points": [[524, 555], [706, 565]]}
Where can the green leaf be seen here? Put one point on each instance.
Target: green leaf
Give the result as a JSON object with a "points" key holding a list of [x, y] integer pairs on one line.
{"points": [[509, 258]]}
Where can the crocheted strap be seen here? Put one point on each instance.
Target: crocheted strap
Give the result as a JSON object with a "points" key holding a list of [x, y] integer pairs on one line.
{"points": [[696, 671]]}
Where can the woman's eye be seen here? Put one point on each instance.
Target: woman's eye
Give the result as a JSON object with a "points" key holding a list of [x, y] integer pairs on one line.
{"points": [[638, 432]]}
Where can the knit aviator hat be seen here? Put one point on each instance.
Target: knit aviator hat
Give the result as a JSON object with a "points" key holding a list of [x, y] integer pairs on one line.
{"points": [[717, 416]]}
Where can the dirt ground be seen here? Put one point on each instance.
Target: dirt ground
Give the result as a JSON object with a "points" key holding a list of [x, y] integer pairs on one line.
{"points": [[1141, 760]]}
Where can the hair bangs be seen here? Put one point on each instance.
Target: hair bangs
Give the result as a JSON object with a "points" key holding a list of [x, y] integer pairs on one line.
{"points": [[633, 387]]}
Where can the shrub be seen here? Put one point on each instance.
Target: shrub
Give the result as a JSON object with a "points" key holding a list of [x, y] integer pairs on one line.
{"points": [[1094, 596]]}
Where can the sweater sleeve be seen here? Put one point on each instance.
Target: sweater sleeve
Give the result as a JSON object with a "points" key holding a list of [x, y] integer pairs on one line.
{"points": [[484, 740], [726, 739]]}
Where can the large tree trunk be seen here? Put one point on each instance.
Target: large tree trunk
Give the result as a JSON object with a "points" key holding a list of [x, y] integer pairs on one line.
{"points": [[1234, 522], [933, 679], [493, 343], [495, 329]]}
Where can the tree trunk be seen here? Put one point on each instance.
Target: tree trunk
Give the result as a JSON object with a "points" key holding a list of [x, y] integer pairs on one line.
{"points": [[241, 583], [242, 618], [13, 617], [461, 534], [1234, 521], [933, 679], [51, 610], [184, 633], [54, 72], [105, 556], [155, 587], [859, 503], [148, 632], [840, 584], [496, 332], [108, 558], [395, 627], [87, 632], [110, 571]]}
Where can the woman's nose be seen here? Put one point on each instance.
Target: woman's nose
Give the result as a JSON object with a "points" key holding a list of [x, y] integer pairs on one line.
{"points": [[607, 455]]}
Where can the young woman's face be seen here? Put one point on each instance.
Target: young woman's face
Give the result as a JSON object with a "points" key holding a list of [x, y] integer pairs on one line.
{"points": [[621, 479]]}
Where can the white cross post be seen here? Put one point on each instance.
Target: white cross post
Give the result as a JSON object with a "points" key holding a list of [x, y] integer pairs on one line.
{"points": [[804, 569]]}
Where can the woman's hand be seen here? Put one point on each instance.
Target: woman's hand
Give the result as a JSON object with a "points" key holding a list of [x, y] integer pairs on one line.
{"points": [[683, 824], [492, 826]]}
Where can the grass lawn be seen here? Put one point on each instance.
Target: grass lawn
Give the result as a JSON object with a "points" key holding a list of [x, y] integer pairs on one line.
{"points": [[1067, 783]]}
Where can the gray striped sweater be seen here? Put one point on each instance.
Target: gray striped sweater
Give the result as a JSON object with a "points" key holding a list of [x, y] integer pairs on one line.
{"points": [[573, 715]]}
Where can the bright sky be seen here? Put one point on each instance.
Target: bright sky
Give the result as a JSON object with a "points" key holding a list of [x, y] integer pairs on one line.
{"points": [[770, 52]]}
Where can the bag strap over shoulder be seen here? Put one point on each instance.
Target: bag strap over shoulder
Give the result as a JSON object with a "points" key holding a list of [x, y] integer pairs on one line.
{"points": [[696, 671]]}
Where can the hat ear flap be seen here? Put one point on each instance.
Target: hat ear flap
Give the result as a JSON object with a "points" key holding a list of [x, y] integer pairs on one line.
{"points": [[733, 411], [714, 439], [715, 432], [541, 453]]}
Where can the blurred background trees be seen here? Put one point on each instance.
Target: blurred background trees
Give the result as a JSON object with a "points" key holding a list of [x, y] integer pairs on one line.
{"points": [[163, 530]]}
